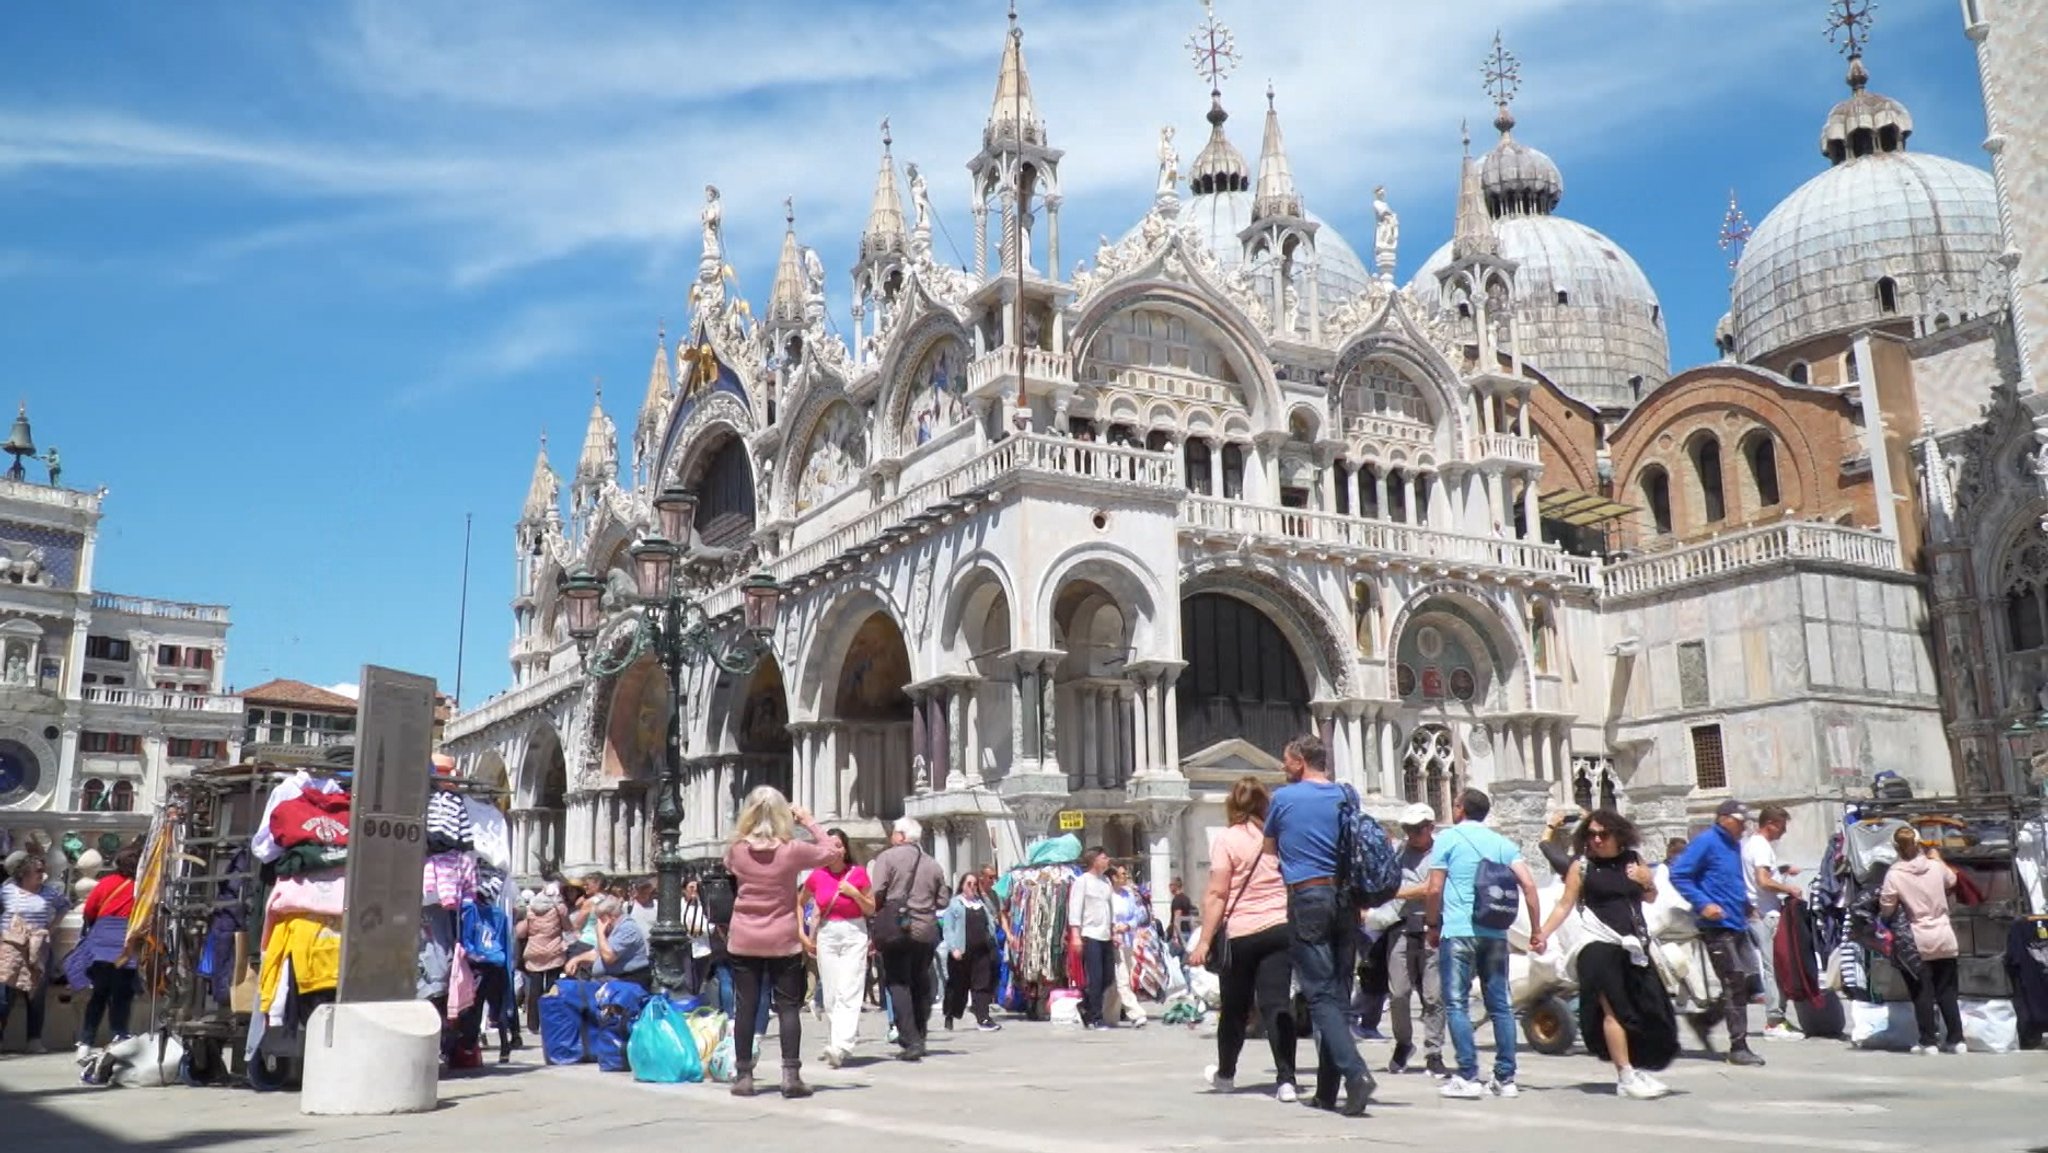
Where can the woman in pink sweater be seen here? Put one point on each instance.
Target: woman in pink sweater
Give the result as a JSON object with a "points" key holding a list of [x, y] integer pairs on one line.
{"points": [[1920, 884], [764, 941]]}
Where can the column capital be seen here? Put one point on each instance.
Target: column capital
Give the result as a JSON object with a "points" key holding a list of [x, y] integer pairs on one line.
{"points": [[1037, 660]]}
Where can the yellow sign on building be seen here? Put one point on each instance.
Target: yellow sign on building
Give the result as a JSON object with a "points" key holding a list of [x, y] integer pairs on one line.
{"points": [[1071, 821]]}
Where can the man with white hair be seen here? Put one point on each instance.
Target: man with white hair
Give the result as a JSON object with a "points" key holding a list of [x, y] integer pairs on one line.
{"points": [[909, 889], [1412, 969]]}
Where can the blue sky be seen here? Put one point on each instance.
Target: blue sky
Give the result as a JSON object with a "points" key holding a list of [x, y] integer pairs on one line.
{"points": [[302, 284]]}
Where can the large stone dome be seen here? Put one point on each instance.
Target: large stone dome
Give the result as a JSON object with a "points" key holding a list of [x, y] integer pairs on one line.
{"points": [[1586, 315], [1221, 216], [1816, 263], [1864, 242]]}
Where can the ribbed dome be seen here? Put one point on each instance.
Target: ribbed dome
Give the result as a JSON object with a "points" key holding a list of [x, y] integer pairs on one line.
{"points": [[1588, 318], [1815, 263], [1222, 216], [1519, 180]]}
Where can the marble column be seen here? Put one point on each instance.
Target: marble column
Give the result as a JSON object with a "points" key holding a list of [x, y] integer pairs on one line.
{"points": [[1126, 760], [1532, 516], [971, 733], [1048, 714], [1390, 760], [1141, 737], [921, 774], [1170, 721], [938, 714]]}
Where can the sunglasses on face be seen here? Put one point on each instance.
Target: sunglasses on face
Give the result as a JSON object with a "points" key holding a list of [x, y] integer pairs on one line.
{"points": [[1598, 834]]}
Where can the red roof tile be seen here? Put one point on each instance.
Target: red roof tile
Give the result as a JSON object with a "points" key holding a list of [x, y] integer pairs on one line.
{"points": [[299, 693]]}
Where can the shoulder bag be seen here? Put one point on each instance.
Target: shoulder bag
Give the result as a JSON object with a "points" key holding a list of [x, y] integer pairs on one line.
{"points": [[891, 922], [1218, 961]]}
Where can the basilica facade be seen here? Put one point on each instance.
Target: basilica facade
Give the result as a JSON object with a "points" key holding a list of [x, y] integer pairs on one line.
{"points": [[1082, 541]]}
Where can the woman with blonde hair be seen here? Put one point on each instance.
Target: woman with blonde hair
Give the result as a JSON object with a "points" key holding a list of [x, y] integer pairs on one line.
{"points": [[765, 941], [1244, 928], [1920, 884]]}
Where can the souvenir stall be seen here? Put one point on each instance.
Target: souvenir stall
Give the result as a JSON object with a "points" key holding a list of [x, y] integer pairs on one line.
{"points": [[1998, 847], [244, 880], [1034, 896]]}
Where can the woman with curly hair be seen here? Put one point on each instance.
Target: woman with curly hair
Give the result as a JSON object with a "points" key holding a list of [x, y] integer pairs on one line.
{"points": [[1625, 1016]]}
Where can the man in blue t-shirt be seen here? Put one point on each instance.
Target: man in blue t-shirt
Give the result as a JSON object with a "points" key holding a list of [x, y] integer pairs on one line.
{"points": [[1468, 949], [1302, 825]]}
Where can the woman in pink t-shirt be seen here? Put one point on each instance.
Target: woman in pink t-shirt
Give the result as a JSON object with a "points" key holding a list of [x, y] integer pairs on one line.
{"points": [[1246, 903], [838, 900], [765, 941]]}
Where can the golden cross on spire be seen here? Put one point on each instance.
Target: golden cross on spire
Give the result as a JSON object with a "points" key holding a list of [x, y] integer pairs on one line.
{"points": [[1849, 23], [1214, 47]]}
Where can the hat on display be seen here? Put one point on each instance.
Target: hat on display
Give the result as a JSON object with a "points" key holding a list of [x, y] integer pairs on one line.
{"points": [[1732, 808], [444, 765], [1417, 815]]}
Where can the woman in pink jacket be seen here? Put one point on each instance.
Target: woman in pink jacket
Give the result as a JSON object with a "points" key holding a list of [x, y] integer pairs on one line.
{"points": [[765, 940], [1920, 884]]}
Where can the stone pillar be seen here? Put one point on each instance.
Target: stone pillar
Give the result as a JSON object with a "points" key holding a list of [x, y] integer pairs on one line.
{"points": [[938, 714], [1048, 713], [1519, 809], [1141, 737], [1126, 752], [1532, 516], [970, 731], [1408, 498], [1390, 761], [1659, 813], [1170, 722], [920, 743]]}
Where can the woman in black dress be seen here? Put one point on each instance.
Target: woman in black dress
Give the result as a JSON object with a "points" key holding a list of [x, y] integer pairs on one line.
{"points": [[1625, 1015]]}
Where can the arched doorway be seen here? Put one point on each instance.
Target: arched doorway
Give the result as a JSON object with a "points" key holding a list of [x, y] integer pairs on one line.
{"points": [[870, 702], [1243, 680], [761, 733], [1093, 736], [543, 790]]}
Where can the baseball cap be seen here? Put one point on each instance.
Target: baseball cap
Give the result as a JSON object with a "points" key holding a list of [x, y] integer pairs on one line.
{"points": [[1732, 808], [1417, 815]]}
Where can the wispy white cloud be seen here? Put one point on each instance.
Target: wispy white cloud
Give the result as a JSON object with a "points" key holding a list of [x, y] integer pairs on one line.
{"points": [[535, 337], [514, 134]]}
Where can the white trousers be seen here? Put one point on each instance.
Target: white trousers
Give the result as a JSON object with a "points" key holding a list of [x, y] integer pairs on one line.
{"points": [[842, 977]]}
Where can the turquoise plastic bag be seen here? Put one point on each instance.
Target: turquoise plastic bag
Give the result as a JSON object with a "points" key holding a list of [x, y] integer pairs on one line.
{"points": [[661, 1049]]}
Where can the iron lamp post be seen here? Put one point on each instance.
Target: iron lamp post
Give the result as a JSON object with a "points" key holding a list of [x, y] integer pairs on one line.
{"points": [[667, 623]]}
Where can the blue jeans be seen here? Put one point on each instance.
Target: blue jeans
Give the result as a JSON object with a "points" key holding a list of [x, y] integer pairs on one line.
{"points": [[728, 1001], [1325, 951], [10, 997], [1461, 959]]}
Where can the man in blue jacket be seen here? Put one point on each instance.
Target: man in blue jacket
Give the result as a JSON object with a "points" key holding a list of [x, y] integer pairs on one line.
{"points": [[1709, 876]]}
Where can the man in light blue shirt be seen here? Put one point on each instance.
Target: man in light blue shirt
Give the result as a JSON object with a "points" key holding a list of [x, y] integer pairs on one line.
{"points": [[1469, 948]]}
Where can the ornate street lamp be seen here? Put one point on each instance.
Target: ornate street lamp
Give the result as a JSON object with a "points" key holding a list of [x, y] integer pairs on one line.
{"points": [[674, 628]]}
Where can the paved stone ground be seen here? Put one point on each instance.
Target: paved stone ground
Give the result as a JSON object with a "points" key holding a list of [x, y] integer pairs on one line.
{"points": [[1036, 1088]]}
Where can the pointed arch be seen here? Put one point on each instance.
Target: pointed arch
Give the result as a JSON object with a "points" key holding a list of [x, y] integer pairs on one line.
{"points": [[907, 354], [1237, 337]]}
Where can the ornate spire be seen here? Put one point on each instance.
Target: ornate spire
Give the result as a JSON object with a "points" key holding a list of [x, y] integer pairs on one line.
{"points": [[1277, 194], [1934, 477], [1474, 235], [1735, 232], [1220, 167], [543, 495], [1013, 115], [885, 232], [600, 459], [1503, 72], [660, 381], [1866, 123], [786, 298]]}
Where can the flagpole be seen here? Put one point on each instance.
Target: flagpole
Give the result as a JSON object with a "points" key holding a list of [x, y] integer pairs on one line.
{"points": [[462, 614]]}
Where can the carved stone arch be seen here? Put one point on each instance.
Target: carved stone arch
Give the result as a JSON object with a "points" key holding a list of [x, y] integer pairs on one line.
{"points": [[1325, 648], [1240, 339], [906, 354], [1122, 573], [970, 572], [700, 431], [1421, 365], [1487, 609], [818, 403], [854, 600], [1304, 414]]}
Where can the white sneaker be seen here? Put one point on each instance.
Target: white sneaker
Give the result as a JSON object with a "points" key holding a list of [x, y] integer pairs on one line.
{"points": [[1959, 1048], [84, 1055], [1459, 1089], [1506, 1089], [1640, 1086], [1922, 1050], [1216, 1083], [1286, 1093], [1782, 1032]]}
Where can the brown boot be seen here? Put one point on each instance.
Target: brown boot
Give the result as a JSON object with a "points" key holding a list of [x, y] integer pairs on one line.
{"points": [[793, 1087], [743, 1082]]}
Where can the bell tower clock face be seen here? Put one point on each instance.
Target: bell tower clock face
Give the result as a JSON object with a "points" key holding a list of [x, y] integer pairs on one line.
{"points": [[19, 772]]}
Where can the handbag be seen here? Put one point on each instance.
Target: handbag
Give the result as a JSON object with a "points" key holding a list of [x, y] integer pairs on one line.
{"points": [[1218, 961], [891, 924]]}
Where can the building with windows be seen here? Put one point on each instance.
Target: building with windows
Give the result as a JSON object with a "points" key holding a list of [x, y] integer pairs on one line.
{"points": [[1098, 537], [293, 723], [103, 695]]}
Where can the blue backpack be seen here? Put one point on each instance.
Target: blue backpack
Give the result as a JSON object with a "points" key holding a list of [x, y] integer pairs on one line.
{"points": [[1366, 857], [1496, 892]]}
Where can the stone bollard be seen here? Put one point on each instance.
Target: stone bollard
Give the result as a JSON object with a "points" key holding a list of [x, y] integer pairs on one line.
{"points": [[372, 1059]]}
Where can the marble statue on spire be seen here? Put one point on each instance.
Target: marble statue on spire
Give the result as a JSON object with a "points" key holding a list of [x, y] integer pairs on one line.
{"points": [[920, 206], [713, 219], [1169, 165], [1386, 234]]}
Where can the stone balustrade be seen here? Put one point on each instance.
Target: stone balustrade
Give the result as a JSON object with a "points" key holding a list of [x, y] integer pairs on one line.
{"points": [[1782, 543], [1413, 542], [1383, 431], [121, 697], [161, 610], [1508, 447], [988, 371]]}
